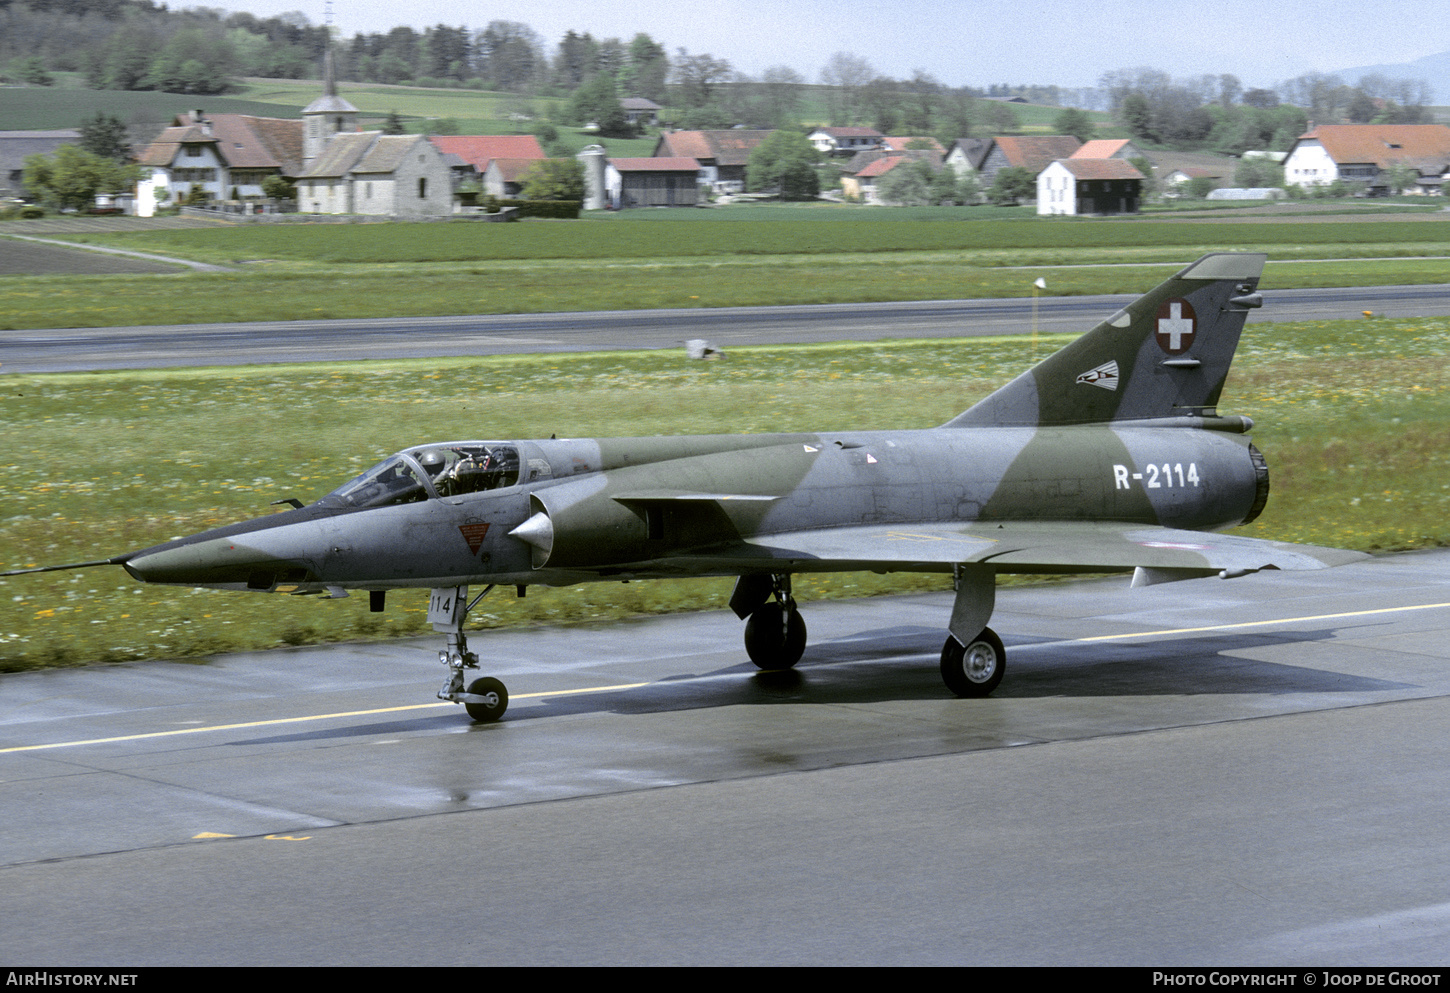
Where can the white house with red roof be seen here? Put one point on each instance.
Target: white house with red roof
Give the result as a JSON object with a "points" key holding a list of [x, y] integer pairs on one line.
{"points": [[1075, 186], [1367, 152]]}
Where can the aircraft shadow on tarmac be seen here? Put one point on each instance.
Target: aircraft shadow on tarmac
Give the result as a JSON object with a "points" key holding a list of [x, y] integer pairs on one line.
{"points": [[899, 664]]}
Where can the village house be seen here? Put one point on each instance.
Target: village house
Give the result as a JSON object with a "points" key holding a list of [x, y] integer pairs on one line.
{"points": [[496, 162], [639, 111], [1367, 153], [1031, 152], [227, 156], [900, 144], [723, 155], [844, 141], [17, 146], [1074, 186], [1109, 148], [966, 154], [861, 179], [1174, 182]]}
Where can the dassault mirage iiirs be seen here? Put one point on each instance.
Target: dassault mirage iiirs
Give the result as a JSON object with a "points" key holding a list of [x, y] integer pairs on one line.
{"points": [[1109, 455]]}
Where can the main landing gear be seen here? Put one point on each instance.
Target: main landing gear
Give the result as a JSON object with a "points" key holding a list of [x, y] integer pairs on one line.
{"points": [[485, 699], [973, 669], [972, 664], [775, 635]]}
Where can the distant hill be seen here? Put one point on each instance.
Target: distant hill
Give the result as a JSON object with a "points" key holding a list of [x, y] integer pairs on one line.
{"points": [[1433, 69], [40, 108]]}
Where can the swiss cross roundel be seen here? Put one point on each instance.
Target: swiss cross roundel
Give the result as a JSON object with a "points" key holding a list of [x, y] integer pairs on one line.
{"points": [[1176, 326]]}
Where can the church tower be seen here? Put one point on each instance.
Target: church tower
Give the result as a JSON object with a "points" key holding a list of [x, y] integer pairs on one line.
{"points": [[326, 116]]}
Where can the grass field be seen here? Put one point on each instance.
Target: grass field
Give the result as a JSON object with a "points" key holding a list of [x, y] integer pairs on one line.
{"points": [[1353, 416], [609, 237], [623, 261]]}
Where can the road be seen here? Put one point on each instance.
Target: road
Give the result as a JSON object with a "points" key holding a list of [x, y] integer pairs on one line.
{"points": [[72, 350], [1219, 773]]}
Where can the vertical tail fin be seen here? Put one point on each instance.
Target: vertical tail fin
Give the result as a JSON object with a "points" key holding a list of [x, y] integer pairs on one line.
{"points": [[1164, 355]]}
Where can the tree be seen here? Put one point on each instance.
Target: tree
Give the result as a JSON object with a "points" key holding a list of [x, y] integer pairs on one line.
{"points": [[106, 136], [1001, 117], [649, 67], [597, 102], [1013, 185], [697, 77], [907, 184], [32, 70], [512, 55], [881, 100], [844, 75], [1076, 123], [193, 61], [921, 104], [279, 188], [1199, 187], [74, 176], [958, 114], [784, 160], [394, 124], [1138, 116], [1400, 176], [781, 91], [576, 60], [1258, 173], [554, 179]]}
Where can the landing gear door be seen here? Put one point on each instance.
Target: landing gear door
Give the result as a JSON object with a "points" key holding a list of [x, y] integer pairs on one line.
{"points": [[446, 608]]}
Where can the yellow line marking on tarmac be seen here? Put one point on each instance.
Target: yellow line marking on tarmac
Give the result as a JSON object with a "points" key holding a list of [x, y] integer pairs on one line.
{"points": [[632, 686], [298, 720], [1255, 624]]}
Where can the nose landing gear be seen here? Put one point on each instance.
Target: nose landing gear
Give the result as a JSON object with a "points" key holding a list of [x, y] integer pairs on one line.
{"points": [[485, 699]]}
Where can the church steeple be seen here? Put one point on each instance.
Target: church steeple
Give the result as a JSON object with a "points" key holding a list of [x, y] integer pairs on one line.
{"points": [[326, 116]]}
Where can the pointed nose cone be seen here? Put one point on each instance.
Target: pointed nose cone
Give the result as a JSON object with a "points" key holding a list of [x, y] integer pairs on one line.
{"points": [[219, 562]]}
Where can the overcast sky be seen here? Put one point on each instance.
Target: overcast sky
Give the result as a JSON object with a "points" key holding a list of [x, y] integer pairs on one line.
{"points": [[961, 42]]}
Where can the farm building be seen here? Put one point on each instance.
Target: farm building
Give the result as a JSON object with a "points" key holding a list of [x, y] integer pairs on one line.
{"points": [[653, 182], [1033, 153], [1089, 186], [1368, 153], [17, 146], [722, 155]]}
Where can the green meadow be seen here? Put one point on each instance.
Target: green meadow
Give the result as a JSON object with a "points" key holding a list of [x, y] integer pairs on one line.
{"points": [[1353, 416], [698, 259]]}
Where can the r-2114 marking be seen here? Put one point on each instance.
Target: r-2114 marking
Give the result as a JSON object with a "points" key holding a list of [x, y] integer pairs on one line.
{"points": [[1157, 476]]}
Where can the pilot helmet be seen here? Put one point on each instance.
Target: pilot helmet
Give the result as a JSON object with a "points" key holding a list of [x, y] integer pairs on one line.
{"points": [[432, 461]]}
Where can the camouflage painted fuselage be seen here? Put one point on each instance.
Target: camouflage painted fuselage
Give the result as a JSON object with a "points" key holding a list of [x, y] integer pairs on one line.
{"points": [[627, 508], [1110, 454]]}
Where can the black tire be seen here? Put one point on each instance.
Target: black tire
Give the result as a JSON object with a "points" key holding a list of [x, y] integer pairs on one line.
{"points": [[974, 669], [486, 713], [772, 642]]}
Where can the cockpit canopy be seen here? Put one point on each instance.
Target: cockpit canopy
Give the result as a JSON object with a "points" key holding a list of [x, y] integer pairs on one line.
{"points": [[429, 472]]}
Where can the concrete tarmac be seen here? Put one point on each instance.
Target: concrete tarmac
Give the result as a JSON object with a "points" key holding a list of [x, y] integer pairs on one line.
{"points": [[88, 349], [1253, 771]]}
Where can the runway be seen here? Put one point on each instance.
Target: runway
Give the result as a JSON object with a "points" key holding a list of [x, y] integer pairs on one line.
{"points": [[87, 349], [1211, 772]]}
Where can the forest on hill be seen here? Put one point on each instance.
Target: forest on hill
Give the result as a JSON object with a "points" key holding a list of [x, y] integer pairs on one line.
{"points": [[128, 45]]}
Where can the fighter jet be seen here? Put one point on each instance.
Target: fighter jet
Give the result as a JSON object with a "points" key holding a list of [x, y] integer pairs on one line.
{"points": [[1108, 456]]}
